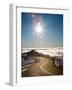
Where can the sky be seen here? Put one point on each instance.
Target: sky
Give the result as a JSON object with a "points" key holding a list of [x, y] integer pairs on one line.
{"points": [[39, 30]]}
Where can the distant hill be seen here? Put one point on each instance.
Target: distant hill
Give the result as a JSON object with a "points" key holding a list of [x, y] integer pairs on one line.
{"points": [[34, 53]]}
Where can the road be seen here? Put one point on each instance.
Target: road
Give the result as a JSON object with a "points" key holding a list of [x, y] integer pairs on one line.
{"points": [[37, 69]]}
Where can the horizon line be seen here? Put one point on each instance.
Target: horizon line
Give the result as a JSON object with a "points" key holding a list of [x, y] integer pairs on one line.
{"points": [[41, 48]]}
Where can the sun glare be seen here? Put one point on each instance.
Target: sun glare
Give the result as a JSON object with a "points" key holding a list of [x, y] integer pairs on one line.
{"points": [[38, 28]]}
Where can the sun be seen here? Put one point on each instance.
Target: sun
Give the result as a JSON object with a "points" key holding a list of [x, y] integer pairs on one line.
{"points": [[38, 28]]}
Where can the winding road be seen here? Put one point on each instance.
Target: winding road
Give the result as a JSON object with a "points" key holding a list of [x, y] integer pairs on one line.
{"points": [[37, 69]]}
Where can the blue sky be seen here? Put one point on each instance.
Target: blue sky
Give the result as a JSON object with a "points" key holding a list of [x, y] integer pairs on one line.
{"points": [[52, 30]]}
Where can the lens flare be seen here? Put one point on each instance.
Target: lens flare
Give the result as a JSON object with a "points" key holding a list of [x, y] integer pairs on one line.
{"points": [[38, 28]]}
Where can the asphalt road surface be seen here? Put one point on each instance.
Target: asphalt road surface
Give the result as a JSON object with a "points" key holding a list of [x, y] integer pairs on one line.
{"points": [[37, 69]]}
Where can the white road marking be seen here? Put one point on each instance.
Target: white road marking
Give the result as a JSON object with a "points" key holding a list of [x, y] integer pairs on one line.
{"points": [[41, 67]]}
